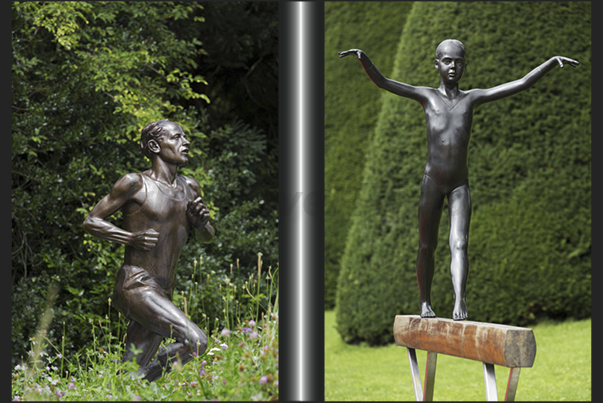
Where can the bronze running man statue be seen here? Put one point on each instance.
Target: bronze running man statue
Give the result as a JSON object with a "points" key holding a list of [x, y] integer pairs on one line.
{"points": [[159, 209]]}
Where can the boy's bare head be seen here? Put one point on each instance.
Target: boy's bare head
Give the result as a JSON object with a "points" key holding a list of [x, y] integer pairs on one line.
{"points": [[449, 42], [450, 60]]}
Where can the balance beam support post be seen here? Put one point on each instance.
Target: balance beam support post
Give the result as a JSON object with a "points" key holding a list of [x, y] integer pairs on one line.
{"points": [[490, 380], [416, 376], [430, 375]]}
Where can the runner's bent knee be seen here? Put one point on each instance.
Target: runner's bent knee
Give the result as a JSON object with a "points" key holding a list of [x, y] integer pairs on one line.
{"points": [[194, 338]]}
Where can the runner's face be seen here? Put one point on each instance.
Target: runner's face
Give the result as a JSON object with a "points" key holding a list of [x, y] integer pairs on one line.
{"points": [[451, 63], [174, 144]]}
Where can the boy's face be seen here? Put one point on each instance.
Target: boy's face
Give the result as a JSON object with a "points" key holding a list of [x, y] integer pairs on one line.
{"points": [[451, 63]]}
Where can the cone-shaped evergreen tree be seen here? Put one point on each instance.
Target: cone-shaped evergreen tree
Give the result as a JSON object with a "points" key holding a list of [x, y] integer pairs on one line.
{"points": [[352, 113], [529, 174]]}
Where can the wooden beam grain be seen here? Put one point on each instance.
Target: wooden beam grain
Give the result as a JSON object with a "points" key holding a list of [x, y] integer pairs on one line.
{"points": [[491, 343]]}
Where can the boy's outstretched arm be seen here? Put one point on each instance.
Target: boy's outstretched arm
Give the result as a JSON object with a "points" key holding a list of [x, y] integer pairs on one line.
{"points": [[381, 81], [513, 87]]}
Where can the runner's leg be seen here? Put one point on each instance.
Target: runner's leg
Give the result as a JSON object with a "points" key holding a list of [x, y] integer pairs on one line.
{"points": [[141, 338], [156, 313]]}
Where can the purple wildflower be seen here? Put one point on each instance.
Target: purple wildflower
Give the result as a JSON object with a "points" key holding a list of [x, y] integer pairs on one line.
{"points": [[253, 335], [71, 386], [225, 332], [252, 323], [224, 346], [263, 380]]}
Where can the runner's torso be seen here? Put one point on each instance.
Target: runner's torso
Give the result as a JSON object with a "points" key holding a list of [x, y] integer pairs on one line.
{"points": [[162, 208]]}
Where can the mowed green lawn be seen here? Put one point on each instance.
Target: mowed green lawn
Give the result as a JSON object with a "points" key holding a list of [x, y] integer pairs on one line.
{"points": [[561, 371]]}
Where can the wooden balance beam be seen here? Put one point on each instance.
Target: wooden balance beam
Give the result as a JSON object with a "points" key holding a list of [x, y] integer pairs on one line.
{"points": [[492, 344]]}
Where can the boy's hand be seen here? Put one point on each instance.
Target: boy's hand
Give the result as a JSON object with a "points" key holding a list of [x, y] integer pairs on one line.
{"points": [[561, 59], [358, 52]]}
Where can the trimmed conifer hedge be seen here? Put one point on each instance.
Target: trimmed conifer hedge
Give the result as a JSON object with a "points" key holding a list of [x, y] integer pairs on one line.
{"points": [[530, 181], [352, 112]]}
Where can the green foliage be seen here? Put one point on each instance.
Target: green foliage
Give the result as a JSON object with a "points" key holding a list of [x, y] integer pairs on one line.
{"points": [[529, 163], [245, 225], [81, 93], [241, 63], [87, 76], [352, 111]]}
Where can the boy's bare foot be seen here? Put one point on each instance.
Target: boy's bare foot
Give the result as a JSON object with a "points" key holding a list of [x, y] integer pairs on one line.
{"points": [[460, 310], [426, 311]]}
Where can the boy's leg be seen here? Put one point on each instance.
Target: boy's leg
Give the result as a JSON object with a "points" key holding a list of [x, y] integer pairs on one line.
{"points": [[430, 213], [459, 207]]}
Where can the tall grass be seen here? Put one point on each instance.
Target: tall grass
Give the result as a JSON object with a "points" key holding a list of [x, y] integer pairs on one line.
{"points": [[240, 363]]}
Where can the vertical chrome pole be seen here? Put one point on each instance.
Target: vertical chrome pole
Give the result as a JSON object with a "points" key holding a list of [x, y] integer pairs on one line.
{"points": [[301, 199]]}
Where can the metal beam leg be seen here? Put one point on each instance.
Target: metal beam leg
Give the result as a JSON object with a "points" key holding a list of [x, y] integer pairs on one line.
{"points": [[416, 376], [430, 370], [512, 385], [490, 379]]}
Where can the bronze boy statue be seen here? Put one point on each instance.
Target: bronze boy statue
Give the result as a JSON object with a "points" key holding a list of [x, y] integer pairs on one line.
{"points": [[159, 210], [448, 115]]}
